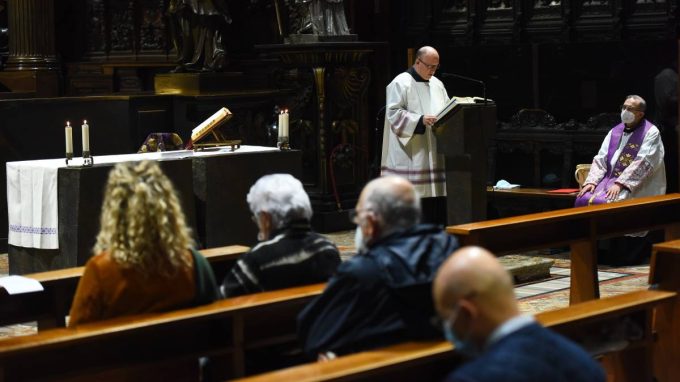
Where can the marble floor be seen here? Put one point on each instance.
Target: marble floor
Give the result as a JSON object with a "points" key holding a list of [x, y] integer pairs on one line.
{"points": [[536, 296]]}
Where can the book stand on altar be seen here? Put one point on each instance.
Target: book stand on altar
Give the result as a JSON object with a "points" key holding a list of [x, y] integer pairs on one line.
{"points": [[210, 126]]}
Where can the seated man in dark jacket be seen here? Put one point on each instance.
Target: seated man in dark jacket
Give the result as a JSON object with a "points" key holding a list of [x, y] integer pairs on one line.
{"points": [[289, 252], [475, 298], [382, 295]]}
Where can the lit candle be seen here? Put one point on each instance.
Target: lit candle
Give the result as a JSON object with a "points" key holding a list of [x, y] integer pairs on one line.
{"points": [[280, 124], [86, 137], [69, 139], [285, 123]]}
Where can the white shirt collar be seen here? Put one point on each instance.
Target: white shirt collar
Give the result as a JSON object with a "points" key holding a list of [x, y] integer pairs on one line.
{"points": [[510, 326]]}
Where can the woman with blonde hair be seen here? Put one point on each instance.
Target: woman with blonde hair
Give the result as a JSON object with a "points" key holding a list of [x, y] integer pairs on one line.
{"points": [[143, 259]]}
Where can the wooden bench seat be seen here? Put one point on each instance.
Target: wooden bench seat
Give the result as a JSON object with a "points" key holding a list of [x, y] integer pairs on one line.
{"points": [[580, 228], [432, 360], [221, 328], [664, 273], [50, 306]]}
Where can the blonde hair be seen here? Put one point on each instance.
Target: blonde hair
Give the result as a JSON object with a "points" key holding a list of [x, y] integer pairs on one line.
{"points": [[142, 223]]}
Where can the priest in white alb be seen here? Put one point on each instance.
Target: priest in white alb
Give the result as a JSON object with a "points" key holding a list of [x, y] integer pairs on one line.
{"points": [[409, 146]]}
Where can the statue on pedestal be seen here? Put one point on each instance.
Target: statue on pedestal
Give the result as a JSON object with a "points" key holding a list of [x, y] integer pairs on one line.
{"points": [[198, 28], [327, 17]]}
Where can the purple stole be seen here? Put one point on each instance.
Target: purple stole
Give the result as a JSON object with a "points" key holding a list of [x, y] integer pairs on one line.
{"points": [[628, 154]]}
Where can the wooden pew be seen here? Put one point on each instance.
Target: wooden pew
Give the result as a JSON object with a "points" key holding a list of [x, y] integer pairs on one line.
{"points": [[128, 343], [664, 273], [432, 360], [50, 306], [580, 228]]}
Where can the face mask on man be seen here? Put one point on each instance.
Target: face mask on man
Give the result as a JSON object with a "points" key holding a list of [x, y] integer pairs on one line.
{"points": [[463, 346], [627, 116], [359, 242]]}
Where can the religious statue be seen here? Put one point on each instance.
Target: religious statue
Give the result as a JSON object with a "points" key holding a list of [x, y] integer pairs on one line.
{"points": [[326, 17], [198, 30]]}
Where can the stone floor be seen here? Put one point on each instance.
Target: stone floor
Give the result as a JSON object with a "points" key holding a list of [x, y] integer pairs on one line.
{"points": [[550, 291]]}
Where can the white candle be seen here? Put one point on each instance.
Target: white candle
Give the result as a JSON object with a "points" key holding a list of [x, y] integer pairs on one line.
{"points": [[285, 124], [280, 125], [69, 138], [86, 136]]}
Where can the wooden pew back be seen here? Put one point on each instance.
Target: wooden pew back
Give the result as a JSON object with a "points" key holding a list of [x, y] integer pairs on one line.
{"points": [[580, 228], [664, 273], [435, 358], [84, 351], [50, 306]]}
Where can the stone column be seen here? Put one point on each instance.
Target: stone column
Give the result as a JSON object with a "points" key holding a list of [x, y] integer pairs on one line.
{"points": [[31, 35]]}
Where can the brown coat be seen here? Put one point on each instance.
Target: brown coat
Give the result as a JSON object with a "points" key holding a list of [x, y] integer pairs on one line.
{"points": [[109, 290]]}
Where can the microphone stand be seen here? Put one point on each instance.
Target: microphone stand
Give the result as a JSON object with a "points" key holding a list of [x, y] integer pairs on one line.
{"points": [[468, 79]]}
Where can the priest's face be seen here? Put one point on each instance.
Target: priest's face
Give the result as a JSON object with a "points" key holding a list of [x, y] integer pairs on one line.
{"points": [[427, 64], [633, 105]]}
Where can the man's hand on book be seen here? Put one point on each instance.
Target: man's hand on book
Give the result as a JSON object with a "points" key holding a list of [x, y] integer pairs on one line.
{"points": [[429, 120]]}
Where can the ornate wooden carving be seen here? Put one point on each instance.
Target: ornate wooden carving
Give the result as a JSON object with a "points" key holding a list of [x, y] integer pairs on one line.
{"points": [[328, 107], [121, 29], [123, 34], [534, 140]]}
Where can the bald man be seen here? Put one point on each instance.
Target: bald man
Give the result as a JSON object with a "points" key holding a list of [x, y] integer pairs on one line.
{"points": [[475, 299], [382, 295], [409, 146]]}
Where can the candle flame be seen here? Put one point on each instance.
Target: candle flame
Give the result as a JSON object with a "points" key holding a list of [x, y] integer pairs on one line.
{"points": [[286, 111], [85, 121], [68, 123]]}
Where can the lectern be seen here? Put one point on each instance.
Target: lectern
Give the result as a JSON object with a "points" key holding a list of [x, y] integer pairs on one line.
{"points": [[463, 138]]}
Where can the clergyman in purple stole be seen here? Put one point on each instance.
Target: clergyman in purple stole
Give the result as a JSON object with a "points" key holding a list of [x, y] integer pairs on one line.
{"points": [[628, 154]]}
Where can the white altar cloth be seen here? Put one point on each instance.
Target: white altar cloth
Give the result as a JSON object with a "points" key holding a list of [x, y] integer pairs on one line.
{"points": [[32, 192]]}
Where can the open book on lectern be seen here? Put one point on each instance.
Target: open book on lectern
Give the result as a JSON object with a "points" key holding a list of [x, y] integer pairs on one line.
{"points": [[452, 107], [448, 111]]}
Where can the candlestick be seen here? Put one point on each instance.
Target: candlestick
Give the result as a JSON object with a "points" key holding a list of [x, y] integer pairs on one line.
{"points": [[285, 124], [68, 132], [87, 156], [69, 140], [86, 137], [279, 125]]}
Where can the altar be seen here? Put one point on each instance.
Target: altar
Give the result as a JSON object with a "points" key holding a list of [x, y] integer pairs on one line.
{"points": [[54, 215]]}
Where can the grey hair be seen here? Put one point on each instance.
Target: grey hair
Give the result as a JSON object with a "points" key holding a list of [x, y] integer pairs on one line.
{"points": [[640, 100], [397, 211], [282, 196]]}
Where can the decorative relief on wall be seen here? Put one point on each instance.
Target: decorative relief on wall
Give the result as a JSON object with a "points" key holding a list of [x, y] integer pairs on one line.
{"points": [[456, 6], [96, 24], [128, 27], [538, 4], [499, 4], [153, 25], [122, 21]]}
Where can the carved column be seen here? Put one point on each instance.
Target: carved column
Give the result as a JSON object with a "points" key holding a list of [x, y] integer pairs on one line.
{"points": [[31, 35], [330, 121]]}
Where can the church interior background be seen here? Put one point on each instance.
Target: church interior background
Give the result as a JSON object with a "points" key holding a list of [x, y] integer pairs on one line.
{"points": [[557, 71]]}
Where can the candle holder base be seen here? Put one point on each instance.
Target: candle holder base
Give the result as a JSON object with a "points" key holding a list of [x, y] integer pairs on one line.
{"points": [[283, 143], [69, 157], [88, 160]]}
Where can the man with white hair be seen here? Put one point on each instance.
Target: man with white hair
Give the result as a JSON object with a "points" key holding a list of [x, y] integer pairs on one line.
{"points": [[474, 296], [382, 295], [289, 252]]}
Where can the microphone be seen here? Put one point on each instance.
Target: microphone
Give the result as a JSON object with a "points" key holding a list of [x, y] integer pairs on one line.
{"points": [[451, 75]]}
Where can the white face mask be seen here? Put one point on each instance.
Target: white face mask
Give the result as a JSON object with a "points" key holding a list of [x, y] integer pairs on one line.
{"points": [[359, 242], [627, 116]]}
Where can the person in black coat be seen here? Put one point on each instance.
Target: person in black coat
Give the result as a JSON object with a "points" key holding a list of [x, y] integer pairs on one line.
{"points": [[475, 299], [382, 295]]}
